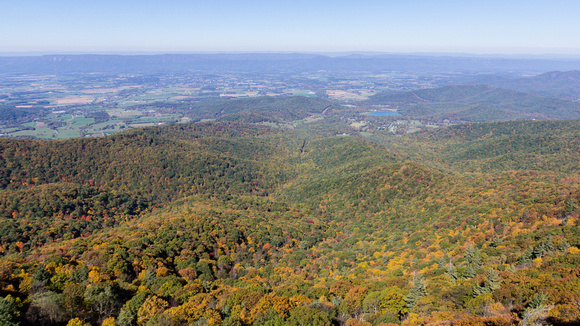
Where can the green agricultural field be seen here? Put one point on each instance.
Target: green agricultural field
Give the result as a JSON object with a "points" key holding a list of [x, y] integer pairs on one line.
{"points": [[37, 133], [113, 123], [64, 133], [149, 97], [63, 117], [303, 92], [7, 130], [81, 121]]}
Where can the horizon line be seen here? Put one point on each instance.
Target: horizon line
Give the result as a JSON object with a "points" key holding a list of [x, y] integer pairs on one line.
{"points": [[324, 53]]}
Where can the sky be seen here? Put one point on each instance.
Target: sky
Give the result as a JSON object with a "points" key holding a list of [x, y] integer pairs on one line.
{"points": [[170, 26]]}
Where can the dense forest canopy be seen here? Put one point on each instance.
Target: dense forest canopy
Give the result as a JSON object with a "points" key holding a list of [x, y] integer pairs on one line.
{"points": [[230, 223]]}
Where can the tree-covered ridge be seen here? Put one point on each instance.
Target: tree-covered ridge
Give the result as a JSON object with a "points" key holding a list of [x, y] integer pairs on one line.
{"points": [[10, 114], [287, 108], [280, 109], [477, 103], [450, 94], [560, 84], [80, 185], [321, 230], [142, 160]]}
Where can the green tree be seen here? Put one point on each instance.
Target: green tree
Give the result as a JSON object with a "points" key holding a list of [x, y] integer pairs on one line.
{"points": [[544, 247], [491, 282], [451, 272], [372, 302], [304, 315], [48, 306], [527, 255], [472, 261], [102, 298], [271, 318], [73, 299], [538, 300], [418, 290], [10, 311], [128, 314]]}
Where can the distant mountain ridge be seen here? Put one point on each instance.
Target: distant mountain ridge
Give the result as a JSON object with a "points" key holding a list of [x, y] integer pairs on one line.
{"points": [[267, 62]]}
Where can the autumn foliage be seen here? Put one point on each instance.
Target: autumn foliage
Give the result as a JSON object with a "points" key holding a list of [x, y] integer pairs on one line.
{"points": [[233, 224]]}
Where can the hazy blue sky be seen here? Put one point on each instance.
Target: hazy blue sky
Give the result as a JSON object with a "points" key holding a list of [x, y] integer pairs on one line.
{"points": [[486, 26]]}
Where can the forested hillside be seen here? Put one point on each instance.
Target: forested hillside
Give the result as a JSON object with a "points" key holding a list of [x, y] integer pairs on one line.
{"points": [[551, 146], [272, 109], [228, 223], [476, 103], [560, 84], [254, 110]]}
